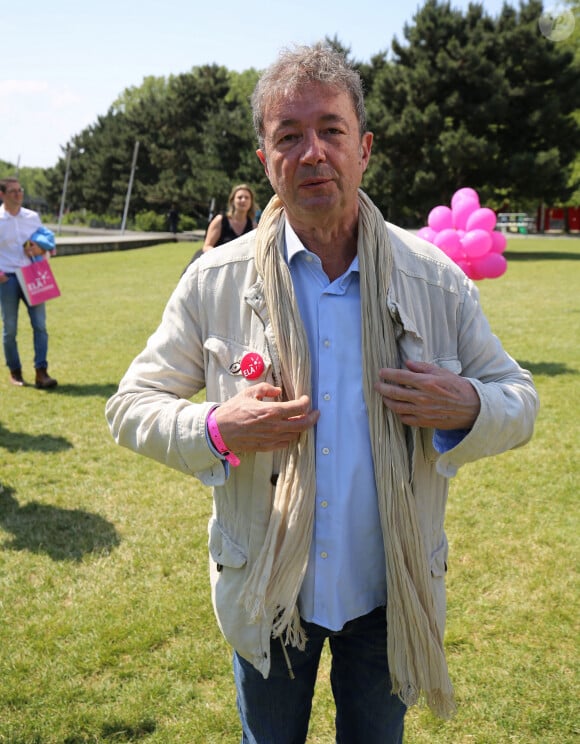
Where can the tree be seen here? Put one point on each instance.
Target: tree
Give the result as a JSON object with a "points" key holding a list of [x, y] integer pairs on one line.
{"points": [[196, 139], [99, 167], [572, 44], [539, 137], [471, 101]]}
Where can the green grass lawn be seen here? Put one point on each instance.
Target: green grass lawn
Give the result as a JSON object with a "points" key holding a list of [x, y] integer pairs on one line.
{"points": [[106, 627]]}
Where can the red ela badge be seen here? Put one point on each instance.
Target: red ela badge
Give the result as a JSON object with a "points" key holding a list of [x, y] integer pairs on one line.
{"points": [[252, 366]]}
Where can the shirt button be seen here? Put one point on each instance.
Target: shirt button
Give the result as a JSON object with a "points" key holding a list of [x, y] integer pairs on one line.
{"points": [[326, 343], [324, 554], [325, 451], [326, 396], [324, 504]]}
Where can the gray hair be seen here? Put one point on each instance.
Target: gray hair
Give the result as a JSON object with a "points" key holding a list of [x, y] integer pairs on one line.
{"points": [[297, 67]]}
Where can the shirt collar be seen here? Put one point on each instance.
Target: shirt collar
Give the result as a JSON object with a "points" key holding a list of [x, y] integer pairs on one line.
{"points": [[293, 243], [294, 246], [5, 214]]}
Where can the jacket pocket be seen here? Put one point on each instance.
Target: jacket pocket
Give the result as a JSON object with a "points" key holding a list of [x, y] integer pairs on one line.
{"points": [[450, 363], [223, 367], [439, 559], [223, 550]]}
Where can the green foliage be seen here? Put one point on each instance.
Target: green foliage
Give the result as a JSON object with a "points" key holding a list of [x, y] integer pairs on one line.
{"points": [[107, 632], [84, 218], [573, 45], [150, 222], [188, 223], [470, 100], [195, 140]]}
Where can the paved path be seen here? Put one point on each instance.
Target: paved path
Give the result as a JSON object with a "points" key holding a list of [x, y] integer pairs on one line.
{"points": [[69, 242]]}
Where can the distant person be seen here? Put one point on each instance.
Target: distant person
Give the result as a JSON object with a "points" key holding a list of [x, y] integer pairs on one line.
{"points": [[173, 219], [17, 225], [238, 219]]}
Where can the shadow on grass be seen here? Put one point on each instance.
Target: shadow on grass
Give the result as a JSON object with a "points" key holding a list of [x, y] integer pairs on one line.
{"points": [[20, 441], [551, 369], [541, 256], [103, 391], [119, 731], [62, 534]]}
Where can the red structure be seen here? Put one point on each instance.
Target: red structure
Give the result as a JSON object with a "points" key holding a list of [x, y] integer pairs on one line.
{"points": [[561, 219], [574, 219]]}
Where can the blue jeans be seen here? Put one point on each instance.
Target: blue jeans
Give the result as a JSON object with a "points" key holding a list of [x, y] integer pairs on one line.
{"points": [[10, 296], [277, 710]]}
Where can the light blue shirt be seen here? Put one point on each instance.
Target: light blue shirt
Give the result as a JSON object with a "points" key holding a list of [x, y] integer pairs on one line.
{"points": [[346, 575]]}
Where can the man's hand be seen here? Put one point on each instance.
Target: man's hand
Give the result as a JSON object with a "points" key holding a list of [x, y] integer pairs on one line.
{"points": [[32, 249], [429, 396], [253, 421]]}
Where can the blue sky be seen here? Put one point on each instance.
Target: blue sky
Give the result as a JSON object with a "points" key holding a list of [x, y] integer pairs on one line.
{"points": [[64, 63]]}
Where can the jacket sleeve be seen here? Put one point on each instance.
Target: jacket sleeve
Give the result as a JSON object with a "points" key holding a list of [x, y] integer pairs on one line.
{"points": [[509, 401], [151, 412]]}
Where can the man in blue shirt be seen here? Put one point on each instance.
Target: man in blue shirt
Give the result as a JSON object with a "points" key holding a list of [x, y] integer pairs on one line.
{"points": [[349, 372]]}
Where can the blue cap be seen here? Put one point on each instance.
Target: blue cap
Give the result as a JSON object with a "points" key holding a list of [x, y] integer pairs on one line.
{"points": [[44, 238]]}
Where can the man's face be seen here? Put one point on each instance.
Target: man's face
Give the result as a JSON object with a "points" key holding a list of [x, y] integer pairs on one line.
{"points": [[13, 197], [313, 153]]}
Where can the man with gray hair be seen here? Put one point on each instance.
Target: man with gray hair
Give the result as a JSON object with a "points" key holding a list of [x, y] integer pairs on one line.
{"points": [[349, 372]]}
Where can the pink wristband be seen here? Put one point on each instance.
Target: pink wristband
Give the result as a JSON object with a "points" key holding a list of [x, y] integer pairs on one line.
{"points": [[217, 440]]}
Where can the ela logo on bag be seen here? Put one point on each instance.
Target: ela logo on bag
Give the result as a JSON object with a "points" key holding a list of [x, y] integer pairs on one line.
{"points": [[41, 282], [38, 283]]}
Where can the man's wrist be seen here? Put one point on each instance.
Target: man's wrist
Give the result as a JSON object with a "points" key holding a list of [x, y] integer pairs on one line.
{"points": [[217, 441]]}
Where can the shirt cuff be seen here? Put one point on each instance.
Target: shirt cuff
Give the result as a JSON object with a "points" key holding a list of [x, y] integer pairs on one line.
{"points": [[446, 439]]}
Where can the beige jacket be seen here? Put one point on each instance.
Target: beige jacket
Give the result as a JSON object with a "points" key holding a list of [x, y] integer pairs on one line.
{"points": [[217, 314]]}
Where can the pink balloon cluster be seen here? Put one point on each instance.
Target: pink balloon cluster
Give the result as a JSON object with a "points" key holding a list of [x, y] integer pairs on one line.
{"points": [[466, 233]]}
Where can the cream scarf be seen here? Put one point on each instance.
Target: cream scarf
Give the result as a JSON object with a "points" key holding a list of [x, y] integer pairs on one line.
{"points": [[415, 651]]}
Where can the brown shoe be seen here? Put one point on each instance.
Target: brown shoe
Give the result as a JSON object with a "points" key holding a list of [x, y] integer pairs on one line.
{"points": [[16, 377], [43, 379]]}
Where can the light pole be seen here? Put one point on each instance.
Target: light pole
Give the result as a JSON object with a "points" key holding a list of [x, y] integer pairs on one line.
{"points": [[65, 184], [129, 188]]}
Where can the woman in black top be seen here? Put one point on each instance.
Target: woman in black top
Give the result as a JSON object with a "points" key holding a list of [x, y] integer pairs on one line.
{"points": [[239, 218]]}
